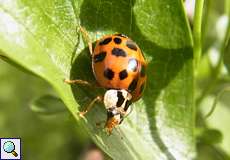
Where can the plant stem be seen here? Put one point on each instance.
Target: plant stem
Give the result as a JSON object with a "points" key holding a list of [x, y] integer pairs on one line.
{"points": [[216, 100], [227, 7], [197, 48], [217, 69], [206, 20]]}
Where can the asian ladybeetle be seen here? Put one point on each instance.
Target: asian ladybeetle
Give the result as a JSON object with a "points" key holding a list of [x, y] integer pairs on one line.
{"points": [[119, 66]]}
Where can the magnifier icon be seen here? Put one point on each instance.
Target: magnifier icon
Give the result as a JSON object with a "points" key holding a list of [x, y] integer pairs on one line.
{"points": [[9, 147]]}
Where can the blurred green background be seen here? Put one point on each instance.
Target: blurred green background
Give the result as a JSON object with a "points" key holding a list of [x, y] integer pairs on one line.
{"points": [[43, 136]]}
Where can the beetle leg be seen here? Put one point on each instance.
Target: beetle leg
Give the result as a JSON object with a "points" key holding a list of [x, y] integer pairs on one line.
{"points": [[97, 99], [87, 39], [82, 82], [77, 81]]}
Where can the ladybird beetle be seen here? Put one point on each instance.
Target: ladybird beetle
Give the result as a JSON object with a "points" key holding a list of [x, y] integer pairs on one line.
{"points": [[118, 66]]}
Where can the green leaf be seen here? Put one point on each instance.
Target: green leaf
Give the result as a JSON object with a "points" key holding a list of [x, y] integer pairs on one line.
{"points": [[42, 37], [47, 104], [210, 136]]}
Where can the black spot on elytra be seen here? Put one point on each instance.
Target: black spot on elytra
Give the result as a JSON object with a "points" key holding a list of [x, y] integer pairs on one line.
{"points": [[105, 41], [119, 52], [132, 64], [143, 68], [142, 88], [99, 57], [117, 40], [121, 35], [123, 74], [132, 85], [121, 99], [132, 45], [109, 74]]}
